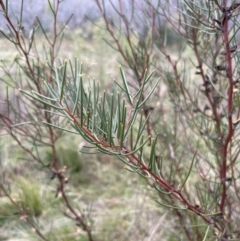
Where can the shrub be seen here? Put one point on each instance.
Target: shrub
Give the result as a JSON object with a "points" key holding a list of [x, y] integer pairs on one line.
{"points": [[171, 116]]}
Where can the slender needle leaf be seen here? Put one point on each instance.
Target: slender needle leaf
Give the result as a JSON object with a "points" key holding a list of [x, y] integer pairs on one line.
{"points": [[206, 233], [63, 80], [189, 171], [126, 86]]}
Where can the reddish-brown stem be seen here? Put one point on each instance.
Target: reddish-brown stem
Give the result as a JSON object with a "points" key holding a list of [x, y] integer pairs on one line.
{"points": [[54, 40], [175, 192], [145, 169], [230, 133]]}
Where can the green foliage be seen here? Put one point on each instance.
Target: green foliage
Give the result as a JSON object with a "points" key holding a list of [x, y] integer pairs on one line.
{"points": [[7, 211], [30, 197], [170, 115]]}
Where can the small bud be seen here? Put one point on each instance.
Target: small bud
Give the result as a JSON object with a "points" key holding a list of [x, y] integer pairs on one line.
{"points": [[236, 122], [197, 204], [206, 107], [206, 83], [227, 179], [220, 67], [53, 176]]}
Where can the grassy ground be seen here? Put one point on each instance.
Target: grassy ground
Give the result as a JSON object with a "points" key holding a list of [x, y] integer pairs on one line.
{"points": [[118, 203]]}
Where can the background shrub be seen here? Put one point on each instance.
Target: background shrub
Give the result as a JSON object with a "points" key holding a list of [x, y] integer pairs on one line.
{"points": [[170, 114]]}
